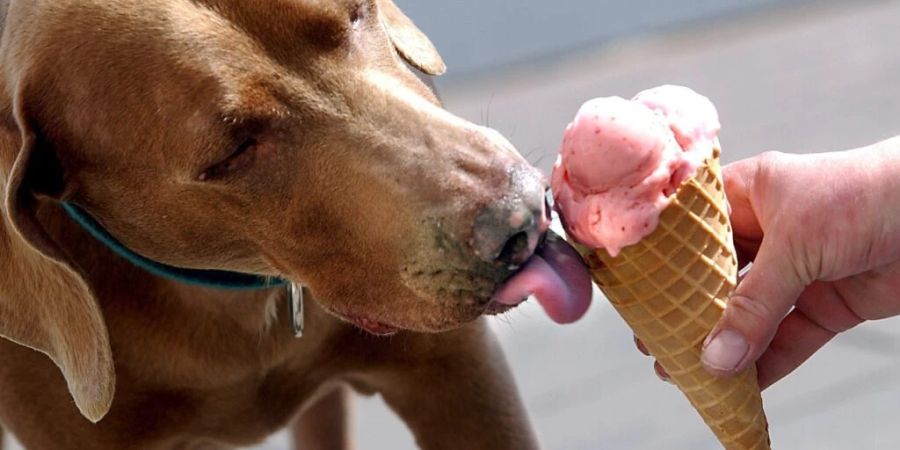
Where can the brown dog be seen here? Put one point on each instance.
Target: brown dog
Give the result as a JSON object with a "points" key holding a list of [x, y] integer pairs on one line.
{"points": [[284, 138]]}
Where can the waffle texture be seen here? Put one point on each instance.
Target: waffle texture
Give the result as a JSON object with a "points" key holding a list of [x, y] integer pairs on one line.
{"points": [[671, 289]]}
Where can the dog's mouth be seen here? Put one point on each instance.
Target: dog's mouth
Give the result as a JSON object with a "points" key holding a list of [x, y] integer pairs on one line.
{"points": [[371, 326], [555, 275]]}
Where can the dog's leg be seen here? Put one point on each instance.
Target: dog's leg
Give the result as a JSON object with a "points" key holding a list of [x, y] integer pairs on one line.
{"points": [[324, 424], [455, 391], [2, 438]]}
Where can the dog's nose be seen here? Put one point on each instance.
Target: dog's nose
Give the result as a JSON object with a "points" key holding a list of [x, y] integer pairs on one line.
{"points": [[508, 231]]}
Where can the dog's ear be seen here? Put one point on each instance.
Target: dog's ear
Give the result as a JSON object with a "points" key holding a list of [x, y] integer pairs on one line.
{"points": [[410, 42], [45, 303]]}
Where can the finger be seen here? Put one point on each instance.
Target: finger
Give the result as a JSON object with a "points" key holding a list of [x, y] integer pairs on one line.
{"points": [[640, 346], [661, 373], [798, 337], [822, 312], [828, 306], [748, 234], [872, 295], [738, 181], [753, 313]]}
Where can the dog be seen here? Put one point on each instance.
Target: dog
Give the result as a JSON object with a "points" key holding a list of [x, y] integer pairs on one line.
{"points": [[284, 142]]}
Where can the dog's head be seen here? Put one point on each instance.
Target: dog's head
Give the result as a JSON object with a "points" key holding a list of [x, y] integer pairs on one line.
{"points": [[285, 138]]}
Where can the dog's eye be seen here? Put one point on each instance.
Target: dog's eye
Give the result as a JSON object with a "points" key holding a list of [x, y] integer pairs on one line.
{"points": [[358, 14], [242, 156]]}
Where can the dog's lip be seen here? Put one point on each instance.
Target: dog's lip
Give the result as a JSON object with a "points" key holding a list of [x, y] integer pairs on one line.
{"points": [[496, 308], [370, 326]]}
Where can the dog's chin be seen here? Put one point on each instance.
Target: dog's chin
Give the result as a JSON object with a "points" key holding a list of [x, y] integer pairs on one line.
{"points": [[371, 326], [431, 296], [427, 320]]}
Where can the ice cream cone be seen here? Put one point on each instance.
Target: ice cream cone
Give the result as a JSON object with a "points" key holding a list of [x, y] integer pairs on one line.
{"points": [[671, 289]]}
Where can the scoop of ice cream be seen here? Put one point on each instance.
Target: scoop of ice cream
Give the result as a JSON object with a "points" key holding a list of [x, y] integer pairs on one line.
{"points": [[622, 160], [691, 117], [604, 130]]}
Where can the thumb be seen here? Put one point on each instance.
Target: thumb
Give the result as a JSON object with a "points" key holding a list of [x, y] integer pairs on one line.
{"points": [[752, 315]]}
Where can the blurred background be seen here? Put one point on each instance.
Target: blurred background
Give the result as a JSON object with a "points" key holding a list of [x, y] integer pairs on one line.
{"points": [[789, 75]]}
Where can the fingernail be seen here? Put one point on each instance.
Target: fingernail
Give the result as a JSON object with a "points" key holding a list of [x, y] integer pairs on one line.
{"points": [[725, 351]]}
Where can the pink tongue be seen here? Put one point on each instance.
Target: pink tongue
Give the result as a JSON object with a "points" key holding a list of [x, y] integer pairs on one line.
{"points": [[557, 277]]}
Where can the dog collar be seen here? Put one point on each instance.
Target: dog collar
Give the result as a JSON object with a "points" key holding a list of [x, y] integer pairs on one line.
{"points": [[208, 278]]}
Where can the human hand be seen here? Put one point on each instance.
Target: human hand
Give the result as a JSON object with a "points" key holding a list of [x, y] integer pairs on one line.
{"points": [[823, 234]]}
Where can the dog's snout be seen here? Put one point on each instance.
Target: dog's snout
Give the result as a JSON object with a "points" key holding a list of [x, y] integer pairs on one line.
{"points": [[507, 231], [507, 234]]}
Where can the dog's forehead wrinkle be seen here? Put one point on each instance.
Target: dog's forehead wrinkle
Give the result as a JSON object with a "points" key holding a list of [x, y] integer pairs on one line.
{"points": [[261, 98], [253, 114], [205, 30], [286, 28], [394, 87], [274, 9], [250, 78]]}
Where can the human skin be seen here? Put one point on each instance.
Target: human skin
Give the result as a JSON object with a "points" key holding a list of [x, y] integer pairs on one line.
{"points": [[823, 234]]}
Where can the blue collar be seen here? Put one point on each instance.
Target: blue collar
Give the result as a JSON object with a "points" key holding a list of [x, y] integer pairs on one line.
{"points": [[207, 278]]}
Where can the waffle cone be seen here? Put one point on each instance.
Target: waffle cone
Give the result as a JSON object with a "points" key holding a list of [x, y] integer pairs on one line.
{"points": [[671, 289]]}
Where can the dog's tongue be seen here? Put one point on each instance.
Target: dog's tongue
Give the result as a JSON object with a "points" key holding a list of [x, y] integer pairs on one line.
{"points": [[556, 276]]}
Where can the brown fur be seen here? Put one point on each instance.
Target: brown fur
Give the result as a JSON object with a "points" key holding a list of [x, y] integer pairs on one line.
{"points": [[358, 185]]}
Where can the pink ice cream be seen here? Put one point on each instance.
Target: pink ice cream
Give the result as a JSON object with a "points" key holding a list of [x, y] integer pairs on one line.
{"points": [[622, 160]]}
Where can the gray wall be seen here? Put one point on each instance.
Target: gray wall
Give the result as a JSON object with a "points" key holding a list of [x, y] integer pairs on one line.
{"points": [[478, 35]]}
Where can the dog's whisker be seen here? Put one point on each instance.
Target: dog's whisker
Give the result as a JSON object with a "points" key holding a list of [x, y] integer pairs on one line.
{"points": [[487, 121], [529, 155], [485, 115], [504, 318], [540, 160]]}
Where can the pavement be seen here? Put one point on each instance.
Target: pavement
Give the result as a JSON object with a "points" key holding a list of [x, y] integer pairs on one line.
{"points": [[816, 76]]}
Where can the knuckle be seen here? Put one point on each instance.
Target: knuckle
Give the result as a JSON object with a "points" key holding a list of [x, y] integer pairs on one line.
{"points": [[744, 311], [768, 161], [808, 263], [766, 179]]}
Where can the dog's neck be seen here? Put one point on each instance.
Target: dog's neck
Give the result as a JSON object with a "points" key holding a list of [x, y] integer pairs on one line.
{"points": [[106, 272], [207, 334], [209, 337], [208, 278]]}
